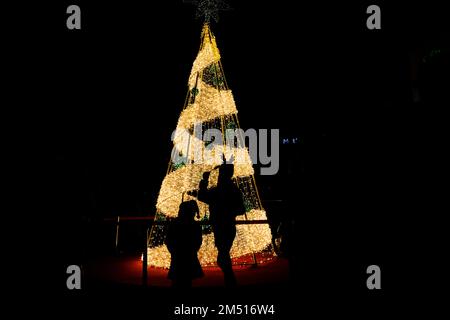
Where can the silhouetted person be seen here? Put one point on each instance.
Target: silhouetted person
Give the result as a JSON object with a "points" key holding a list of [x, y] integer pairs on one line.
{"points": [[225, 202], [183, 240]]}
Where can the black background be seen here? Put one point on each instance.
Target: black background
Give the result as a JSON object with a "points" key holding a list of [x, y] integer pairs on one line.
{"points": [[98, 106]]}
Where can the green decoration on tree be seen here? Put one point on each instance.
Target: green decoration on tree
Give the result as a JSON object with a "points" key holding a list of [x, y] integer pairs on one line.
{"points": [[213, 77]]}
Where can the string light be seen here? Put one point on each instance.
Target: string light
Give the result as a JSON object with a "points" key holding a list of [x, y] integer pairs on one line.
{"points": [[220, 103], [176, 184], [249, 238], [208, 54], [211, 106]]}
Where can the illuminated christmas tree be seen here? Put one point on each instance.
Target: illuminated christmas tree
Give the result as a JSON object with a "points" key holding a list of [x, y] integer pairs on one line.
{"points": [[209, 105]]}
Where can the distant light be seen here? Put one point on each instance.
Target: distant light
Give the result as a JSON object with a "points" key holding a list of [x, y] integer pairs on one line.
{"points": [[294, 140]]}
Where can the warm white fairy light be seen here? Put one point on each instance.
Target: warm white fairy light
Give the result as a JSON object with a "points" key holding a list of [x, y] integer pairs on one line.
{"points": [[242, 162], [190, 149], [208, 54], [188, 145], [187, 178], [249, 238], [175, 186], [210, 104]]}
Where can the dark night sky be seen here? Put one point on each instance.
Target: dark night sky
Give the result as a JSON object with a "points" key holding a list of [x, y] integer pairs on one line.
{"points": [[104, 101], [113, 91]]}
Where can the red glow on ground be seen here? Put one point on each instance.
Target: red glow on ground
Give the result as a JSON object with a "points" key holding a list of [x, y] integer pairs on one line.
{"points": [[128, 270]]}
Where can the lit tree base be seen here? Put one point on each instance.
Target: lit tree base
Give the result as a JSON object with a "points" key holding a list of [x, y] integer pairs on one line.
{"points": [[251, 239], [258, 258]]}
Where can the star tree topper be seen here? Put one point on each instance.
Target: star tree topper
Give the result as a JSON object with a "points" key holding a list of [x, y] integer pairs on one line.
{"points": [[209, 8]]}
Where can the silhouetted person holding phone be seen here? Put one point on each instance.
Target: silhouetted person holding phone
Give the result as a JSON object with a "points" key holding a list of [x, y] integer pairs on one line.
{"points": [[225, 203], [184, 238]]}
